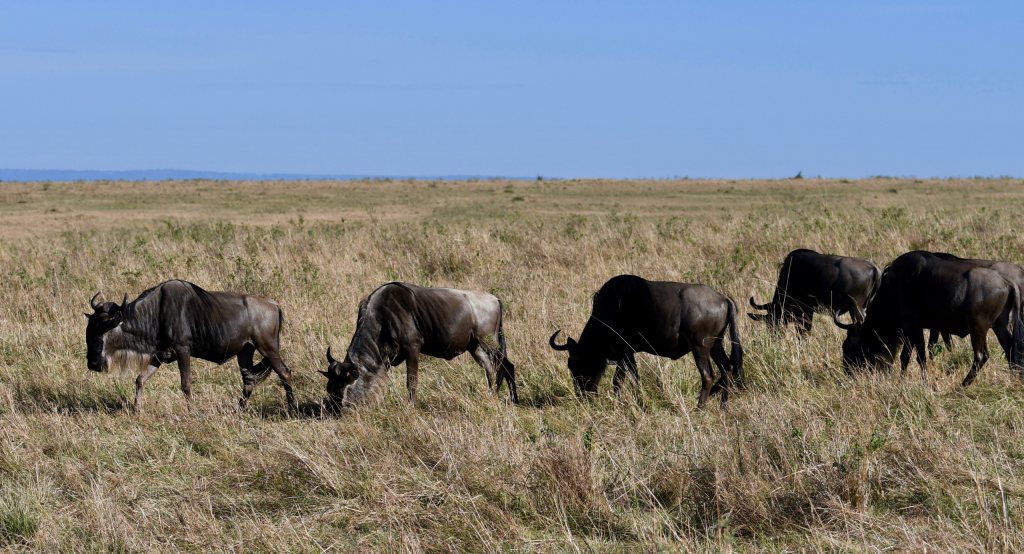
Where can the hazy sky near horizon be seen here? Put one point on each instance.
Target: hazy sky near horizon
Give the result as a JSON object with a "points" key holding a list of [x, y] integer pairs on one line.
{"points": [[561, 89]]}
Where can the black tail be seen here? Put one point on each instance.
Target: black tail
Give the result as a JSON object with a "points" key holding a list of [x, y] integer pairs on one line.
{"points": [[1017, 354], [877, 284], [736, 355], [506, 370]]}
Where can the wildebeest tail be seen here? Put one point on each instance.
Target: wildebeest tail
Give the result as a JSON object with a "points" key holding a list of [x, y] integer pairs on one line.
{"points": [[736, 355], [1017, 355], [876, 284]]}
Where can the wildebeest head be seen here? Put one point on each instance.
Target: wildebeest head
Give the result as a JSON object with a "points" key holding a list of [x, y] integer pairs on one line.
{"points": [[105, 317], [774, 315], [584, 366], [862, 347], [339, 376]]}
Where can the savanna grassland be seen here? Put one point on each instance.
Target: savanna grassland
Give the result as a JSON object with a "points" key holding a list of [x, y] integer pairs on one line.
{"points": [[806, 458]]}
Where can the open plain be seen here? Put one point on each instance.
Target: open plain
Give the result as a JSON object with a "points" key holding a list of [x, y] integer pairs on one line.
{"points": [[806, 458]]}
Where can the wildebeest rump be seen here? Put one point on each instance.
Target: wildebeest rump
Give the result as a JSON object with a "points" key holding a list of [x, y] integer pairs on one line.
{"points": [[809, 282], [1009, 270], [923, 291], [398, 322], [631, 314], [176, 321]]}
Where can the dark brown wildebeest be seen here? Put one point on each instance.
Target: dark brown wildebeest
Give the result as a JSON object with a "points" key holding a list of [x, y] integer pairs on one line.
{"points": [[178, 321], [809, 282], [923, 291], [631, 314], [399, 321], [1009, 270]]}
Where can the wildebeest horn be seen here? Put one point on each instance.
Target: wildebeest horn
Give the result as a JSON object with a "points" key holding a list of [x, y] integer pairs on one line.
{"points": [[846, 326], [759, 307], [555, 345], [125, 301], [92, 303], [330, 359]]}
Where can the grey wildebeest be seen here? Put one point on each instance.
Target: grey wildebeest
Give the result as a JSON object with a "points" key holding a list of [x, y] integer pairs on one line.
{"points": [[809, 282], [1009, 270], [178, 321], [631, 314], [398, 322], [923, 291]]}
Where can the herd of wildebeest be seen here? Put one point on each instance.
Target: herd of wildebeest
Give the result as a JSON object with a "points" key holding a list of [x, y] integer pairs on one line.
{"points": [[397, 322]]}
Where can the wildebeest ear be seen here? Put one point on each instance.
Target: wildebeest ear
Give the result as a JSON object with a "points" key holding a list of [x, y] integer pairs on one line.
{"points": [[87, 316], [325, 374]]}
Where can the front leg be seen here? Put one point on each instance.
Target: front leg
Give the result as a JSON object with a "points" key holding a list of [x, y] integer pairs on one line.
{"points": [[920, 346], [140, 382], [412, 372], [625, 366], [185, 368]]}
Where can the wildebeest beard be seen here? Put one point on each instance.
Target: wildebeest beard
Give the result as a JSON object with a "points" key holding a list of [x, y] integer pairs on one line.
{"points": [[120, 356], [372, 361]]}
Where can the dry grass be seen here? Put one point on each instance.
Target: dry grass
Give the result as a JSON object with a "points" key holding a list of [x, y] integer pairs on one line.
{"points": [[807, 459]]}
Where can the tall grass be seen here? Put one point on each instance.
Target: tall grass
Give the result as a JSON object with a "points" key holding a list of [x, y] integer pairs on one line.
{"points": [[806, 458]]}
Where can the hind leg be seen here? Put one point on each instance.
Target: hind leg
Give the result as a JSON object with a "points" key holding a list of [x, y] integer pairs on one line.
{"points": [[248, 376], [273, 357], [725, 371], [980, 344], [702, 359], [485, 360]]}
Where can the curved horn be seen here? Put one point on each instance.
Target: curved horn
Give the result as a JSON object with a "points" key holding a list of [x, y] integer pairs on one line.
{"points": [[556, 346], [125, 301], [761, 306], [846, 326], [330, 359], [92, 303]]}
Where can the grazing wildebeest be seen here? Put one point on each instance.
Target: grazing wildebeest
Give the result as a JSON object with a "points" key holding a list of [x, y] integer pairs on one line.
{"points": [[809, 282], [923, 291], [399, 321], [1009, 270], [631, 314], [178, 321]]}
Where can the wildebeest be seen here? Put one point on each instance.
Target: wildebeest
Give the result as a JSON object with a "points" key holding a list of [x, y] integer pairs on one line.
{"points": [[1009, 270], [921, 290], [398, 322], [809, 282], [631, 314], [178, 321]]}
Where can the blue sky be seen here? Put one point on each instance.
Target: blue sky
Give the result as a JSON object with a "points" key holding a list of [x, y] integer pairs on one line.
{"points": [[561, 89]]}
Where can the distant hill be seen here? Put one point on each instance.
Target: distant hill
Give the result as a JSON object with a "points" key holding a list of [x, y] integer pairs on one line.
{"points": [[26, 175]]}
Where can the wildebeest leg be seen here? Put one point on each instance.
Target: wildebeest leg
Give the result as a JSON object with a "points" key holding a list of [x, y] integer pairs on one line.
{"points": [[248, 376], [707, 376], [140, 382], [905, 357], [285, 374], [185, 369], [980, 344], [484, 360], [624, 366], [917, 336], [725, 371], [412, 372]]}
